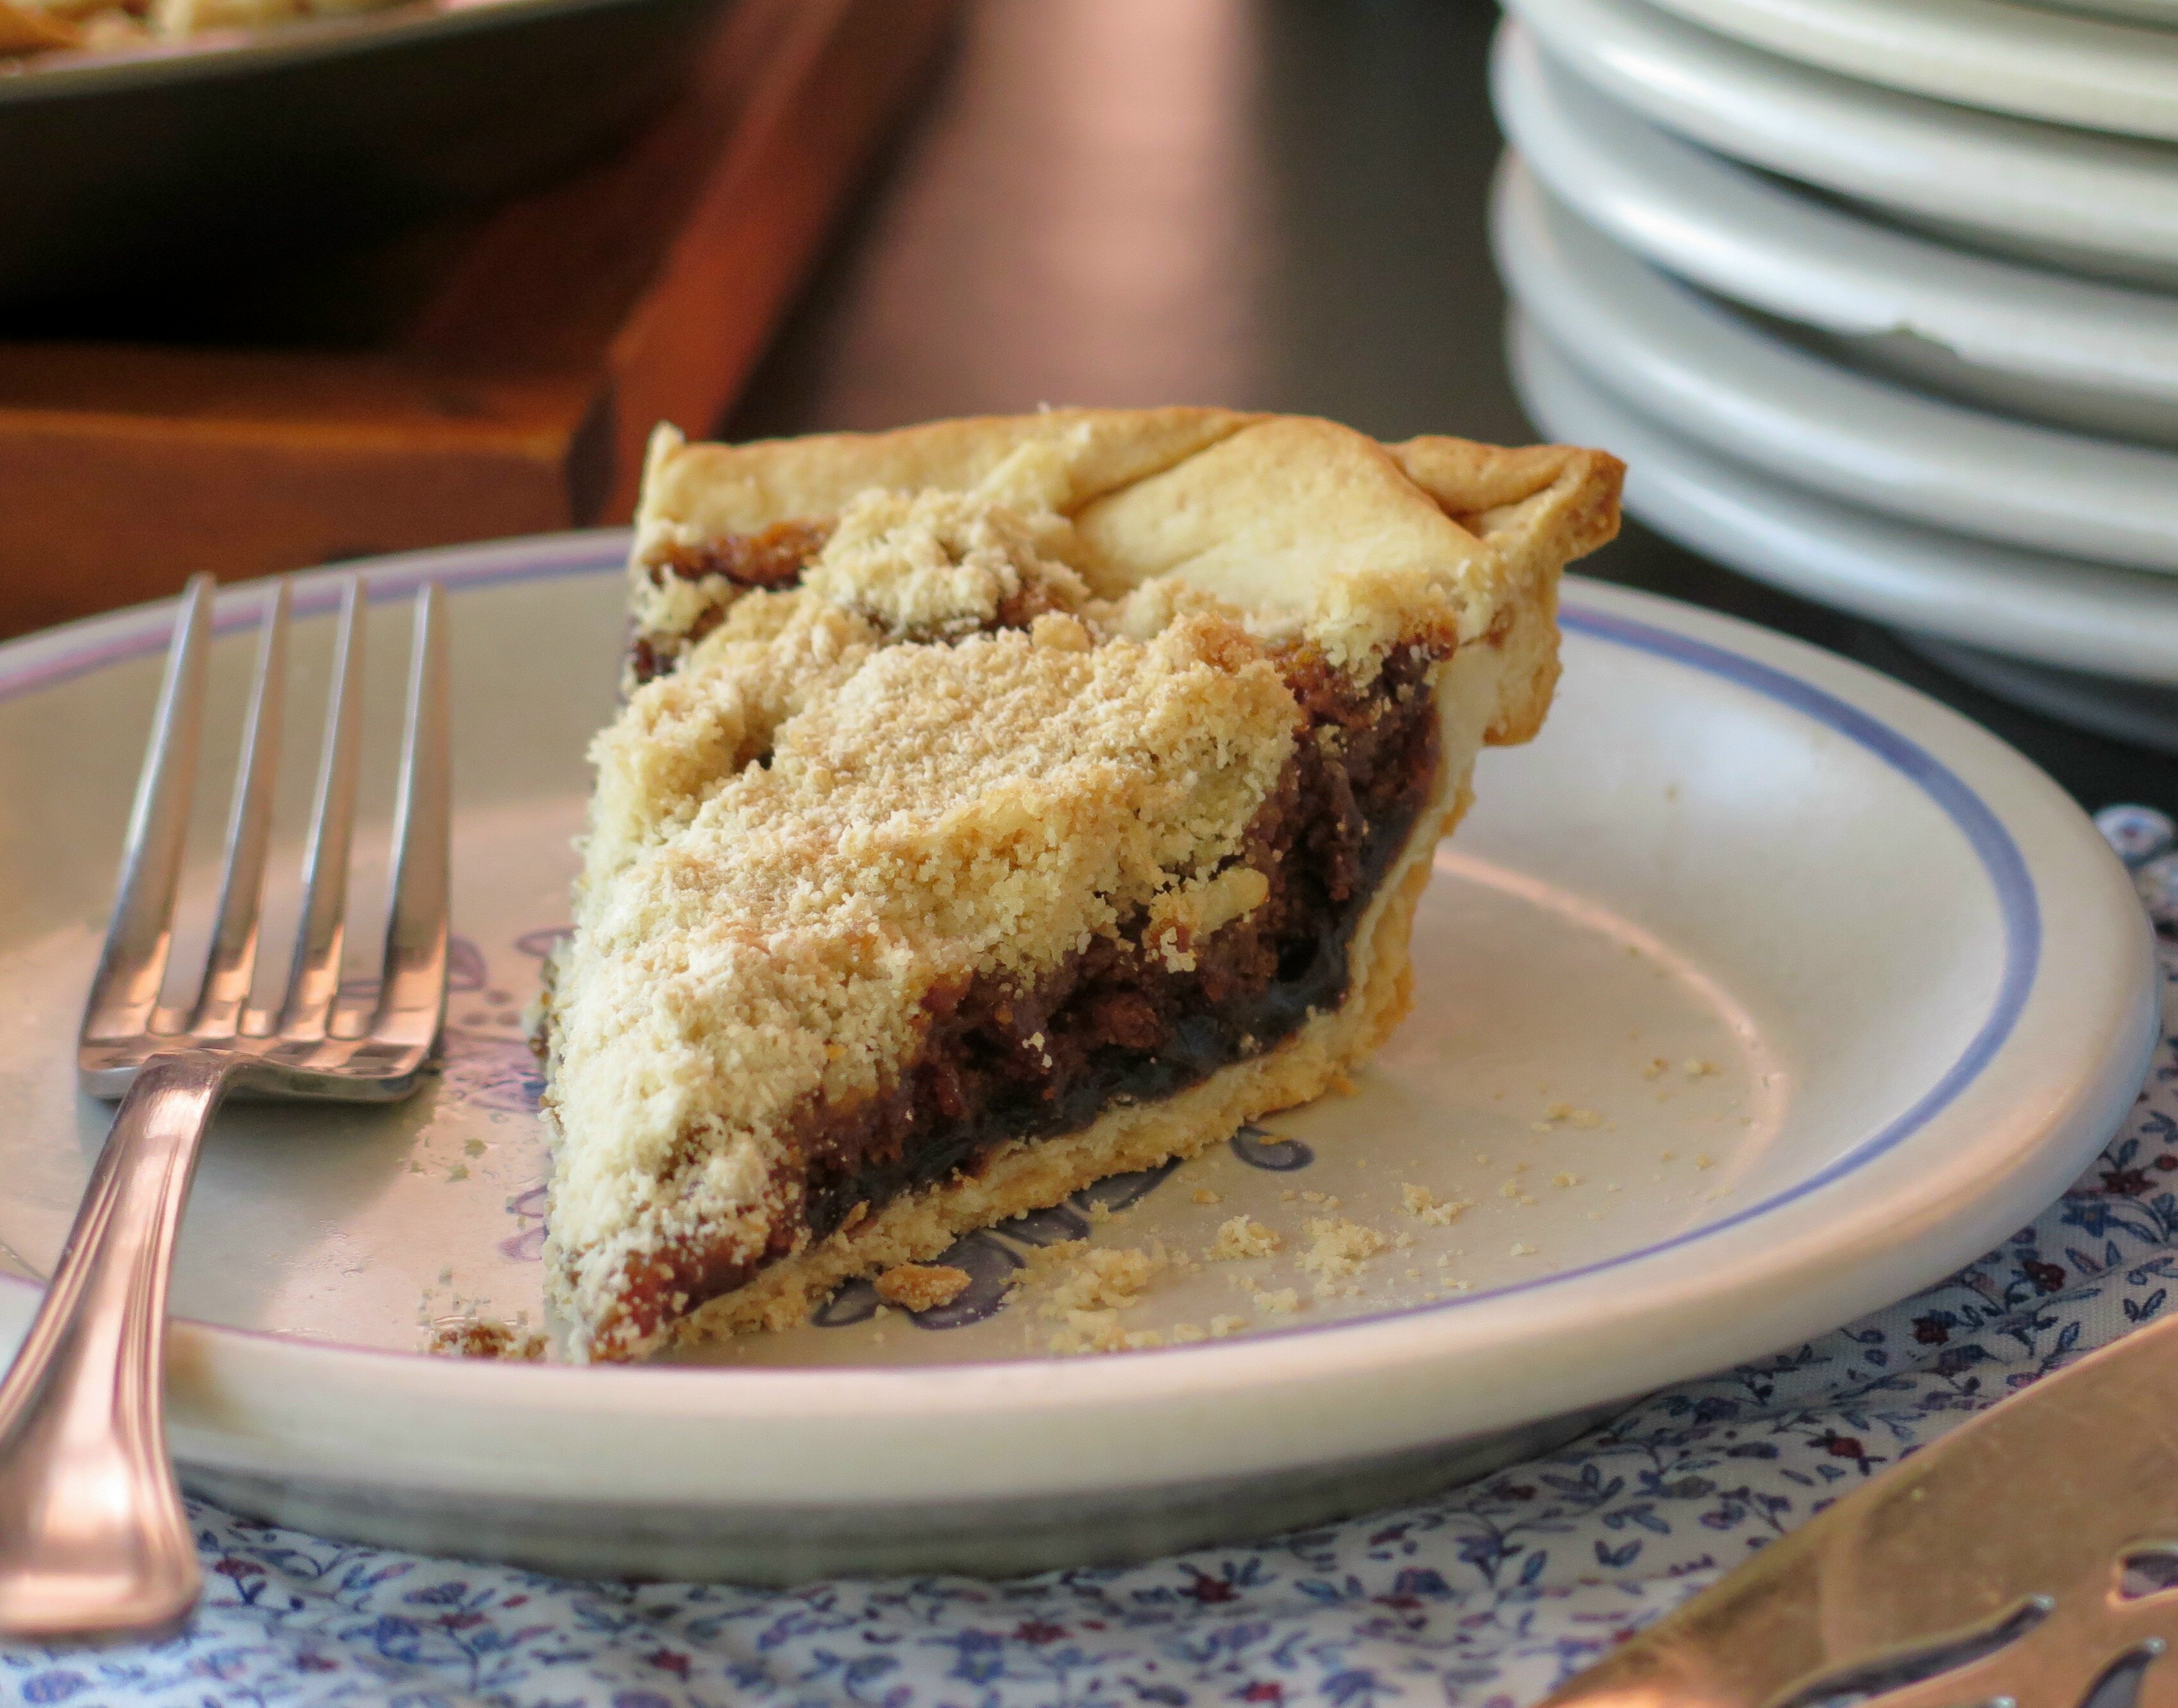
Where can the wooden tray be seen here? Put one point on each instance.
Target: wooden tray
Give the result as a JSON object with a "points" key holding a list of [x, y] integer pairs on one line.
{"points": [[495, 376]]}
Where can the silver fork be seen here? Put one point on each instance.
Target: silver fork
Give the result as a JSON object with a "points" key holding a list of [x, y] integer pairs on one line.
{"points": [[94, 1541]]}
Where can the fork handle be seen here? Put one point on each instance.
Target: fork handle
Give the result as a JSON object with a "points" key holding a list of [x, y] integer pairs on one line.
{"points": [[94, 1541]]}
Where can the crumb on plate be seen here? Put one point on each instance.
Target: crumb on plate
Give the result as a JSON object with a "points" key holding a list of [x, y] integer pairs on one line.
{"points": [[922, 1286]]}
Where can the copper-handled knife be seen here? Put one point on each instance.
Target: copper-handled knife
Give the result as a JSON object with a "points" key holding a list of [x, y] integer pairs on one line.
{"points": [[2030, 1557]]}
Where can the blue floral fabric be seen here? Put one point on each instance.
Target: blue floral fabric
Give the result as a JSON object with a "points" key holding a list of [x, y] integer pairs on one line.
{"points": [[1486, 1596]]}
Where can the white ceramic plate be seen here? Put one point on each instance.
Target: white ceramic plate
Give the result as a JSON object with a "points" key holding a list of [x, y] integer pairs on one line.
{"points": [[2107, 623], [1721, 381], [2162, 12], [2070, 351], [2134, 712], [2102, 203], [2022, 59], [1913, 984]]}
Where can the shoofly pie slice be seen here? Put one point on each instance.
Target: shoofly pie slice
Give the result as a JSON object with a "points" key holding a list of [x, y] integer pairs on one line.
{"points": [[1002, 804]]}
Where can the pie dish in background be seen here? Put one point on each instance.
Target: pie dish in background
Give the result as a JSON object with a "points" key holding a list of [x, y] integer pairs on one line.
{"points": [[239, 154], [31, 27]]}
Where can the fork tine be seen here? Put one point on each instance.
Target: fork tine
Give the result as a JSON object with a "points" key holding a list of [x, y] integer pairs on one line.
{"points": [[133, 964], [413, 998], [234, 960], [315, 978]]}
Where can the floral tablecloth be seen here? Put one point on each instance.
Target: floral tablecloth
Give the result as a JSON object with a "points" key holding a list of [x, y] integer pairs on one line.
{"points": [[1485, 1595]]}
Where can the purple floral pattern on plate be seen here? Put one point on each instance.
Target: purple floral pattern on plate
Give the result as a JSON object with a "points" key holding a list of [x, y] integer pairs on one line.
{"points": [[484, 1054], [1262, 1150], [499, 1073], [525, 1244], [989, 1257]]}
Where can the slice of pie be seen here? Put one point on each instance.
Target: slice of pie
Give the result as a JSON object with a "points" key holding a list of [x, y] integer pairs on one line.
{"points": [[1002, 804]]}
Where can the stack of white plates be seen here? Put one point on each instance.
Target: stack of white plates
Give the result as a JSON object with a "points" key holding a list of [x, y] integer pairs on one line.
{"points": [[1880, 300]]}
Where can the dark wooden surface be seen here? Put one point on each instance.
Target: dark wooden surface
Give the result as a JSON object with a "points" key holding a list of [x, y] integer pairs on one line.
{"points": [[1276, 204], [495, 376]]}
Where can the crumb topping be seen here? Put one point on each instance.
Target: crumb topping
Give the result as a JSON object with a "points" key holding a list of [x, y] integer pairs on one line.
{"points": [[1102, 1279], [922, 1286], [1094, 1287], [1241, 1237], [1423, 1205], [807, 830], [931, 565], [1338, 1248], [473, 1336]]}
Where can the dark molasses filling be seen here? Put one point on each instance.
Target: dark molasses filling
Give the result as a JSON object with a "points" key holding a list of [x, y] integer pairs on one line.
{"points": [[1115, 1023], [771, 560]]}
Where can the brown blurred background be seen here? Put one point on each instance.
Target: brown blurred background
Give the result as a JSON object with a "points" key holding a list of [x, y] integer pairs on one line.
{"points": [[954, 208]]}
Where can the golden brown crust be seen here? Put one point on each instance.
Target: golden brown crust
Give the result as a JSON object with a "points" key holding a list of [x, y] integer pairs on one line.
{"points": [[1057, 461], [738, 488], [1293, 519], [922, 1286], [1538, 508]]}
